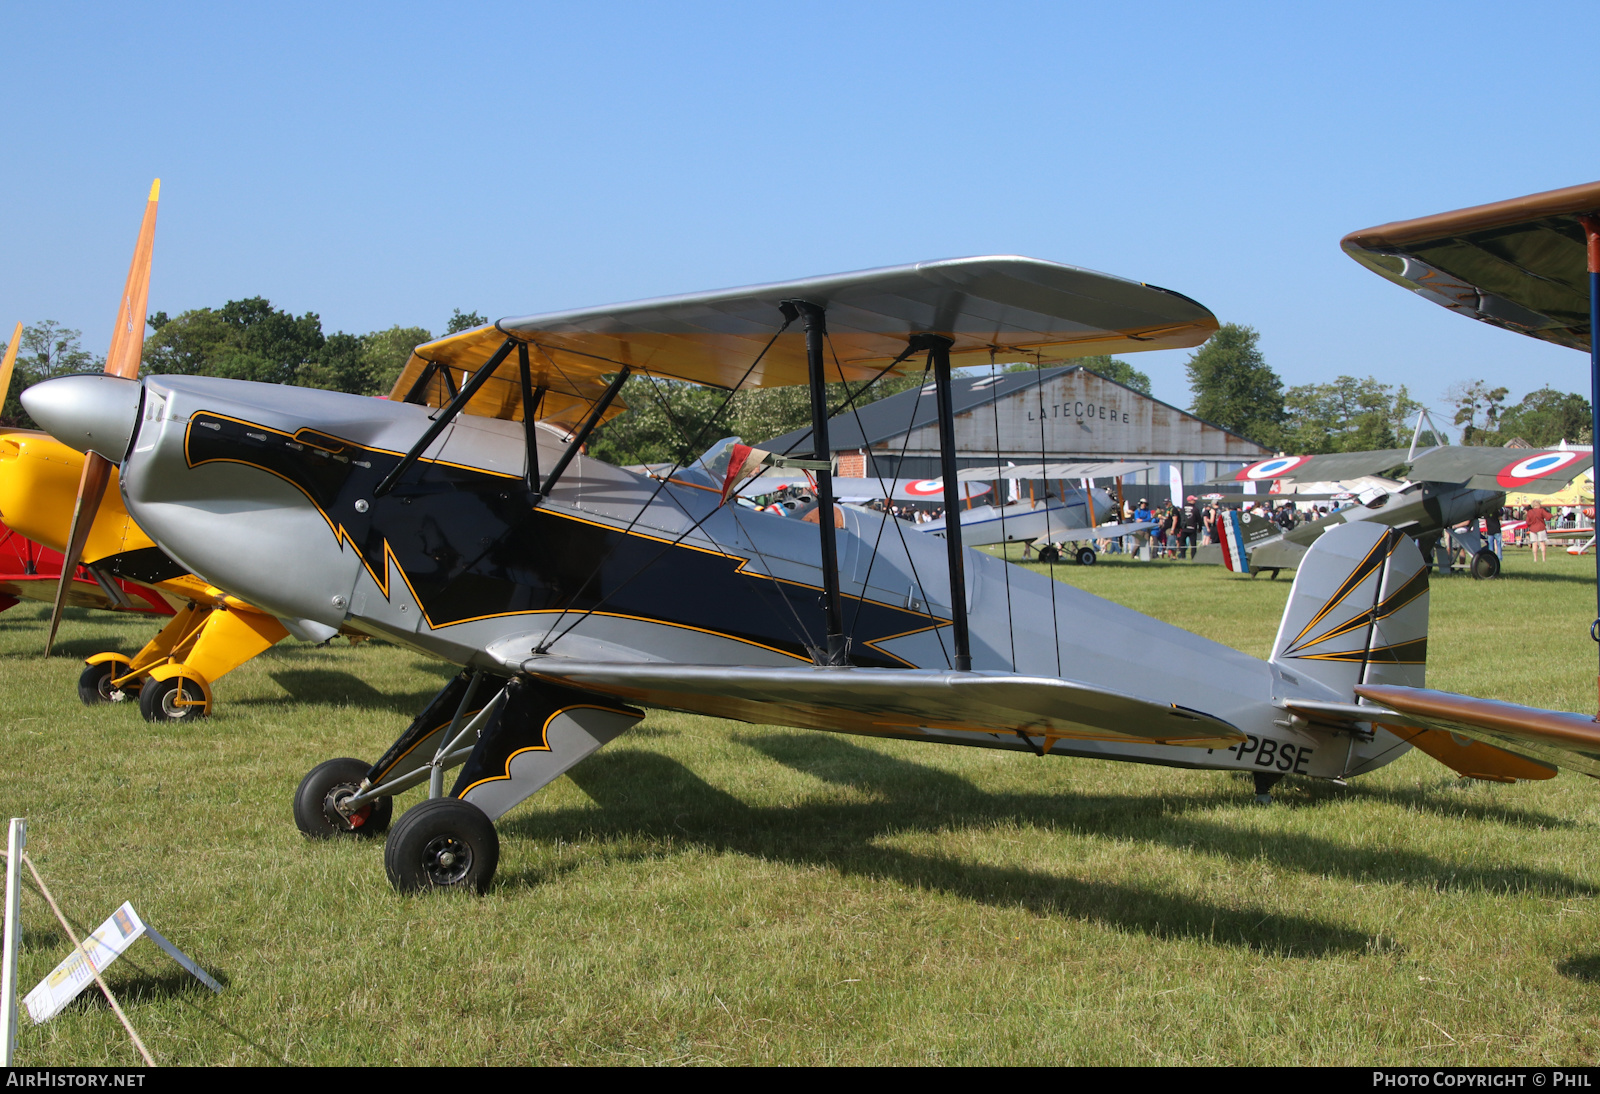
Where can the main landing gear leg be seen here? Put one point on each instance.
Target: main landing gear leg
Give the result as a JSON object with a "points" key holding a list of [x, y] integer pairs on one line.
{"points": [[1264, 785], [509, 738], [535, 732]]}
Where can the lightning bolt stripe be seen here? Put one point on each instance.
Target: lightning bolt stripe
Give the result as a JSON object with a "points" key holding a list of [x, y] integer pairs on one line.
{"points": [[468, 546], [1374, 559], [1413, 588]]}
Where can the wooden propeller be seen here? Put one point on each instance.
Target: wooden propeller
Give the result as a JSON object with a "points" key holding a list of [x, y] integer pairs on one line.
{"points": [[127, 345], [9, 363]]}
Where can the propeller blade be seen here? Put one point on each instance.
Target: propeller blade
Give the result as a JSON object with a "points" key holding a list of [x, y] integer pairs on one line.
{"points": [[127, 345], [9, 363], [91, 488], [127, 339]]}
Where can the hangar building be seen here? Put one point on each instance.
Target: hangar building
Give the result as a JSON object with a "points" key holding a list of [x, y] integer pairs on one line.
{"points": [[1062, 413]]}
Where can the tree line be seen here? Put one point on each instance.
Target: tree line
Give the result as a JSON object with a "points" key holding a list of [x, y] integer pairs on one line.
{"points": [[1235, 388], [243, 339]]}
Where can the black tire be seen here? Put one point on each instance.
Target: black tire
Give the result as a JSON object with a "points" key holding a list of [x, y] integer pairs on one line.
{"points": [[1086, 556], [1485, 565], [1049, 555], [158, 701], [315, 811], [94, 684], [442, 843]]}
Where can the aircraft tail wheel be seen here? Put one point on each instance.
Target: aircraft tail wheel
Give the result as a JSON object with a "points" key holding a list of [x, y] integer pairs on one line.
{"points": [[1086, 556], [1049, 555], [316, 803], [1264, 785], [173, 700], [1485, 564], [442, 843], [94, 684]]}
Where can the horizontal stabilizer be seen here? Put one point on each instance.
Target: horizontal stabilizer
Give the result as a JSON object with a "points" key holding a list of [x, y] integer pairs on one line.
{"points": [[1548, 736], [896, 702]]}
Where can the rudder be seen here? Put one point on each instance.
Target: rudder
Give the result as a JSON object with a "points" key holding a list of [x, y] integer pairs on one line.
{"points": [[1358, 612]]}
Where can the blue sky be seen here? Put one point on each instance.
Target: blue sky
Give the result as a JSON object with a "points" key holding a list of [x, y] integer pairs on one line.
{"points": [[384, 164]]}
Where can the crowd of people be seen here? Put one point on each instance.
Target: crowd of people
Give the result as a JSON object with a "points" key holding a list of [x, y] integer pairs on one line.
{"points": [[1181, 530]]}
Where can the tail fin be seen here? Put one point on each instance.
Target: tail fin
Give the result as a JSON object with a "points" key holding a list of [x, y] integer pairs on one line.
{"points": [[1358, 612], [1239, 533]]}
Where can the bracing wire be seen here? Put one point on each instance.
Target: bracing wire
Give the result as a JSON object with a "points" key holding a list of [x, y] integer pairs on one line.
{"points": [[1055, 621], [1011, 625], [889, 518], [545, 642]]}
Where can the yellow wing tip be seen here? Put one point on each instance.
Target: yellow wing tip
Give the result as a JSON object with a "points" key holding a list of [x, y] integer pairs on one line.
{"points": [[155, 190]]}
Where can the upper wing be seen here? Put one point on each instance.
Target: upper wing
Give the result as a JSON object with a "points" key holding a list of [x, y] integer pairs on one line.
{"points": [[1331, 467], [1541, 472], [1006, 305], [896, 701], [1517, 264]]}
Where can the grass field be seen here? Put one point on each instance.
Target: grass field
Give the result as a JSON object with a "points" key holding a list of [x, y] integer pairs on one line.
{"points": [[712, 892]]}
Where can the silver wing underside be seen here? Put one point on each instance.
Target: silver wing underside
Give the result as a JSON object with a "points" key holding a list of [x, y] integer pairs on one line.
{"points": [[896, 702]]}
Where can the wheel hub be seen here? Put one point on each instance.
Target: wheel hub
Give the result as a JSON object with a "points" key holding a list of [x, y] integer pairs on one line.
{"points": [[171, 704], [446, 859], [334, 808]]}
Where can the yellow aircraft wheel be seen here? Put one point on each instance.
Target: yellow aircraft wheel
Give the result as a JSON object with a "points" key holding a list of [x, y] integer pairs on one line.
{"points": [[174, 698], [95, 686]]}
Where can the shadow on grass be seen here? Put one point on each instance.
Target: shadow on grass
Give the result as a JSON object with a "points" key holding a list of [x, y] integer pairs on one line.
{"points": [[1582, 966], [41, 938], [136, 984], [73, 648], [332, 687], [646, 794], [1134, 816], [173, 983], [1445, 801]]}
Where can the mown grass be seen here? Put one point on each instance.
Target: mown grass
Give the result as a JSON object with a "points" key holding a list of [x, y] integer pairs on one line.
{"points": [[712, 892]]}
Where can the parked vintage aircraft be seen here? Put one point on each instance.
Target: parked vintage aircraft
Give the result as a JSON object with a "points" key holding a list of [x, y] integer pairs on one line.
{"points": [[1433, 490], [68, 502], [32, 571], [575, 595]]}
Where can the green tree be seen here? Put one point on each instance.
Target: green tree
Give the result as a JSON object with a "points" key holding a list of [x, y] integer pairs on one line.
{"points": [[1476, 402], [1547, 417], [339, 365], [666, 421], [384, 354], [460, 321], [1234, 387], [47, 349], [1348, 415], [690, 422], [1101, 364], [244, 339]]}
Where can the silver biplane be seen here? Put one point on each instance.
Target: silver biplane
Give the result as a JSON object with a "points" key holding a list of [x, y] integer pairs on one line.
{"points": [[454, 519]]}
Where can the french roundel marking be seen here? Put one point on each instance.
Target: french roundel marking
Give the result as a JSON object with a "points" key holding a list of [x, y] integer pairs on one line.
{"points": [[1535, 467], [924, 488], [1271, 469]]}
